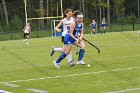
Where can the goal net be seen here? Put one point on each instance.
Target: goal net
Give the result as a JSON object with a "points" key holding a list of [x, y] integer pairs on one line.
{"points": [[54, 23]]}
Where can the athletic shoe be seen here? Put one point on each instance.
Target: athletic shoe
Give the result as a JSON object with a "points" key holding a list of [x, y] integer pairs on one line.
{"points": [[24, 41], [71, 63], [52, 51], [56, 65], [81, 63]]}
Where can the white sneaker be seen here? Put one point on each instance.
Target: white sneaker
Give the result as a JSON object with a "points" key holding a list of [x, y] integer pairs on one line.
{"points": [[71, 63], [24, 41], [81, 62], [56, 65]]}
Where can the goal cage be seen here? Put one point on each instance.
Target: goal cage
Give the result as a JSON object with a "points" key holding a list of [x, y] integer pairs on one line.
{"points": [[43, 14], [54, 23]]}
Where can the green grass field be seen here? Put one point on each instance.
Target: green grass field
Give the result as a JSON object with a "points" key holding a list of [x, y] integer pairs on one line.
{"points": [[29, 69]]}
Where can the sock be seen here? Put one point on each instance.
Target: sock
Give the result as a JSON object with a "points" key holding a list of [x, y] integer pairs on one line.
{"points": [[81, 54], [94, 33], [69, 57], [62, 56], [104, 31], [58, 49], [101, 32], [27, 42]]}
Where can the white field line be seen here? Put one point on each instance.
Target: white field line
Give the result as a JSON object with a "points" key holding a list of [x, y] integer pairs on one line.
{"points": [[3, 91], [70, 75], [10, 85], [37, 90], [126, 90]]}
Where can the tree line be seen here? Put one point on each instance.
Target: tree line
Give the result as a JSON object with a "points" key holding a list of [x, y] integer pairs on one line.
{"points": [[12, 12]]}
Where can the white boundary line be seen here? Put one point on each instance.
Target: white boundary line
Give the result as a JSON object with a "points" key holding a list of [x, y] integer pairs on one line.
{"points": [[37, 90], [126, 90], [3, 91], [70, 75], [10, 85]]}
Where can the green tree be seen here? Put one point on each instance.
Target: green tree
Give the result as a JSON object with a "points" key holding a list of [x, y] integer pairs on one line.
{"points": [[16, 24], [118, 9]]}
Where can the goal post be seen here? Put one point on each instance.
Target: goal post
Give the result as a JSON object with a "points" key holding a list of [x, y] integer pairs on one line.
{"points": [[54, 23], [25, 8], [32, 10]]}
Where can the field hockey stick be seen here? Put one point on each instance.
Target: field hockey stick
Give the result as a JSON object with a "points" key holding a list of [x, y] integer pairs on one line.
{"points": [[76, 50], [92, 44]]}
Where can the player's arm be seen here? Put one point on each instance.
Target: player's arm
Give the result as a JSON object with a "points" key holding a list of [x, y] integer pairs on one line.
{"points": [[30, 29], [104, 22], [58, 26], [90, 24], [81, 34], [23, 29], [72, 26]]}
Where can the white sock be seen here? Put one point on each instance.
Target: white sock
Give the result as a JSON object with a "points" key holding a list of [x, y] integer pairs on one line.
{"points": [[69, 57], [27, 42], [58, 49]]}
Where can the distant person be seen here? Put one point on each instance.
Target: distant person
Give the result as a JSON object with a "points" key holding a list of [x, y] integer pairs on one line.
{"points": [[93, 25], [26, 31], [103, 26]]}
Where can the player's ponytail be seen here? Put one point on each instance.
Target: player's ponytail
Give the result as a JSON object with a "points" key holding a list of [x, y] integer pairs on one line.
{"points": [[77, 12]]}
